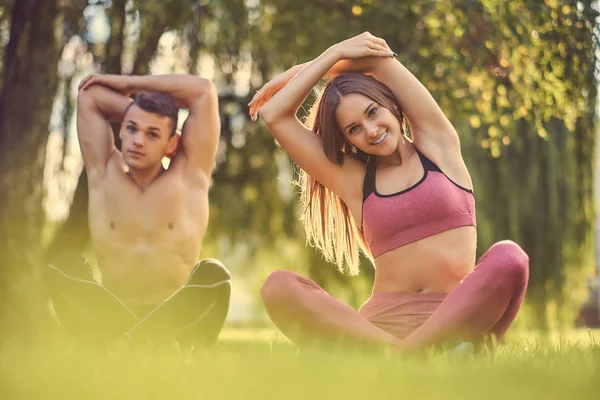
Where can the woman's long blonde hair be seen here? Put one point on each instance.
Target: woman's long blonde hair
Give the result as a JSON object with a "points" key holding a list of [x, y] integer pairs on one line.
{"points": [[327, 220]]}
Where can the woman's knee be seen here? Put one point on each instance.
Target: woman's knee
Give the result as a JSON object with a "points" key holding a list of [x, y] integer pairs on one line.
{"points": [[280, 285], [512, 261], [506, 264]]}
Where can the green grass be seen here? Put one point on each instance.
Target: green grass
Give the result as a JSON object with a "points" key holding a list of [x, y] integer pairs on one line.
{"points": [[259, 364]]}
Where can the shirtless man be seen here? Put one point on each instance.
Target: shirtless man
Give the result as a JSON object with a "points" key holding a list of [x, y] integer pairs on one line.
{"points": [[147, 222]]}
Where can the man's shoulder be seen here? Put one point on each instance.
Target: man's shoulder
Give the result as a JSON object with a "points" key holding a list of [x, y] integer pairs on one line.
{"points": [[192, 176], [114, 169]]}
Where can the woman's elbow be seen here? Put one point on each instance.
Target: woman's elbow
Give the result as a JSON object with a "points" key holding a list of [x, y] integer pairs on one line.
{"points": [[267, 114], [270, 114]]}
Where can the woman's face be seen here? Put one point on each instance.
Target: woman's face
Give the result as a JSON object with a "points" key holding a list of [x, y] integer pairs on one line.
{"points": [[367, 125]]}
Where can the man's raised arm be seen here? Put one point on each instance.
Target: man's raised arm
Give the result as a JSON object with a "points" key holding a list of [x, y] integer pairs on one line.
{"points": [[200, 133], [96, 107]]}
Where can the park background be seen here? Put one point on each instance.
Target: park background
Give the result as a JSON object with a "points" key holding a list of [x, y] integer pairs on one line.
{"points": [[518, 79]]}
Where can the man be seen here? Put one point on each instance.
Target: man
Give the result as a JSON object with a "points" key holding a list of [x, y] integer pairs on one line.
{"points": [[146, 222]]}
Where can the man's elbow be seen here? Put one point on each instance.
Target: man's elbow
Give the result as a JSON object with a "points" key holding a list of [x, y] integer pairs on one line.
{"points": [[93, 94], [198, 94], [87, 98], [203, 87]]}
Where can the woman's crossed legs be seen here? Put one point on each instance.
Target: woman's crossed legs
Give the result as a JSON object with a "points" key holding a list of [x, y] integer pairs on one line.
{"points": [[485, 302]]}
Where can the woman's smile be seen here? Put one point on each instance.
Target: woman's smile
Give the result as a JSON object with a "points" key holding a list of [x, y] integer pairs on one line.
{"points": [[380, 138]]}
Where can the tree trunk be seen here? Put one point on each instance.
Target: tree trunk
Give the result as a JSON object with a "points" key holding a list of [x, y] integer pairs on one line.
{"points": [[30, 77], [5, 13], [74, 235], [151, 31], [114, 46]]}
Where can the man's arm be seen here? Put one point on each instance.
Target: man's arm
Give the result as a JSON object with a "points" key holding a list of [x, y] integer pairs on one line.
{"points": [[96, 107], [201, 129]]}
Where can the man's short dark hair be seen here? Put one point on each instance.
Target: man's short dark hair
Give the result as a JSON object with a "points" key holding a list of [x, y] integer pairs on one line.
{"points": [[157, 103]]}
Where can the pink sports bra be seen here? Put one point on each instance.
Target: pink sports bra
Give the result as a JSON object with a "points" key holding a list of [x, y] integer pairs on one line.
{"points": [[433, 205]]}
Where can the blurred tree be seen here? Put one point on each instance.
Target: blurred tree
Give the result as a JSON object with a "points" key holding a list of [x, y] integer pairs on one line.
{"points": [[246, 164], [516, 78], [153, 18], [5, 17], [29, 85]]}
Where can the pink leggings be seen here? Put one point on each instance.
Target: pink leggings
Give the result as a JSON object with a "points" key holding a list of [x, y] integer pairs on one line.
{"points": [[485, 302]]}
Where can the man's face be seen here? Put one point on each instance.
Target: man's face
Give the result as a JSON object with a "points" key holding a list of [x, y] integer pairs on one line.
{"points": [[145, 138]]}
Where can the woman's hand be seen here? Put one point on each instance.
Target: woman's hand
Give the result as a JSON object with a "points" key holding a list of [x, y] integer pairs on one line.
{"points": [[363, 45], [269, 90]]}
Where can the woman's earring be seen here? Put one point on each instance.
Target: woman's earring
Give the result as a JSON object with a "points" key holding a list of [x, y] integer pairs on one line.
{"points": [[354, 150]]}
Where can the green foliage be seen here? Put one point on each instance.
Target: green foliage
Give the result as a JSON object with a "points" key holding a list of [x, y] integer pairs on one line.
{"points": [[515, 78]]}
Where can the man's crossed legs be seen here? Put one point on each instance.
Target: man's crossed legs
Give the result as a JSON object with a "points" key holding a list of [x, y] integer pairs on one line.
{"points": [[192, 315]]}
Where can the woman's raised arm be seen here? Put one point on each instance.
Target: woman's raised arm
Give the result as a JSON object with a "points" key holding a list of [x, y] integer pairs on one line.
{"points": [[303, 145], [429, 125]]}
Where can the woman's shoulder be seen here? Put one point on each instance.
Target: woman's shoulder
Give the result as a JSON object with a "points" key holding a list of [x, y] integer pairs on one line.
{"points": [[354, 175], [448, 161]]}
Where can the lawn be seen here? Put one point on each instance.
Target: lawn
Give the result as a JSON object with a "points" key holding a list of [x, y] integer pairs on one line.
{"points": [[260, 364]]}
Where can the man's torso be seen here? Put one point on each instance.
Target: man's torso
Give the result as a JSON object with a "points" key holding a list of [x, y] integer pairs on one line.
{"points": [[146, 242]]}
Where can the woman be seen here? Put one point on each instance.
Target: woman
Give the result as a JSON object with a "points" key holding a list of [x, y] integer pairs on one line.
{"points": [[408, 203]]}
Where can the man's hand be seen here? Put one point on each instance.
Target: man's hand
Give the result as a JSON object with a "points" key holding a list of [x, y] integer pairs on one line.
{"points": [[118, 83]]}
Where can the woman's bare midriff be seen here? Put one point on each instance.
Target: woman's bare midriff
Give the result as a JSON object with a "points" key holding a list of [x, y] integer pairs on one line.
{"points": [[435, 264]]}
